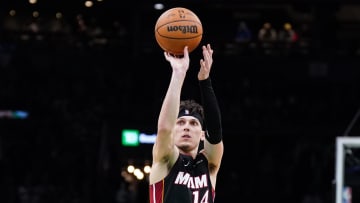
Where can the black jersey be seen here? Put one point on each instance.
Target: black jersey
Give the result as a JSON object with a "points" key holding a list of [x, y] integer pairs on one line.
{"points": [[187, 182]]}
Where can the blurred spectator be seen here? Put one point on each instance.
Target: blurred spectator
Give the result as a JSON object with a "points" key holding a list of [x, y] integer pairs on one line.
{"points": [[267, 37], [242, 40], [267, 33], [243, 33], [287, 37], [287, 34]]}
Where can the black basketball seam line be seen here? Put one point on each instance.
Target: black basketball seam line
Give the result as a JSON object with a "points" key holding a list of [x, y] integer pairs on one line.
{"points": [[159, 26], [161, 35], [180, 38]]}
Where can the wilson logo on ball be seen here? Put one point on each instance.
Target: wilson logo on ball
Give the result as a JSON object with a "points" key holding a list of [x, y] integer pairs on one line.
{"points": [[183, 29]]}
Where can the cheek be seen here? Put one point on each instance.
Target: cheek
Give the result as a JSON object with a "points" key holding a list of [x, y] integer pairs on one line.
{"points": [[178, 130]]}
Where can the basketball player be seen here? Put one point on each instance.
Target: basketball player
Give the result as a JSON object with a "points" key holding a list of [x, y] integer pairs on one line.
{"points": [[183, 171]]}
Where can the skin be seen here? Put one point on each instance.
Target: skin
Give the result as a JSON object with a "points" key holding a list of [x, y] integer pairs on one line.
{"points": [[182, 135]]}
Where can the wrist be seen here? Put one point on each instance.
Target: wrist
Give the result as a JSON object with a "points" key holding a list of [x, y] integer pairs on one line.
{"points": [[205, 82]]}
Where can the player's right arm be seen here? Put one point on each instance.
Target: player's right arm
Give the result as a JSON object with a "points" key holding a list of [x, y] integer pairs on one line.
{"points": [[164, 151]]}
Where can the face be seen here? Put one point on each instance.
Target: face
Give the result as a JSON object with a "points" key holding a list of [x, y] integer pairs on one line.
{"points": [[188, 133]]}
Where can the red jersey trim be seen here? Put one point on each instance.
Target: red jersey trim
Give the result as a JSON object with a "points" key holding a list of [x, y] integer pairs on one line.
{"points": [[157, 192]]}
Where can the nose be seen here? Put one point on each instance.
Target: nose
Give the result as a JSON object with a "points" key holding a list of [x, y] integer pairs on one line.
{"points": [[186, 127]]}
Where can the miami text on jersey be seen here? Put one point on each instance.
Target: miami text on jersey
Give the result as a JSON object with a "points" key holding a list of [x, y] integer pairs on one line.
{"points": [[191, 182]]}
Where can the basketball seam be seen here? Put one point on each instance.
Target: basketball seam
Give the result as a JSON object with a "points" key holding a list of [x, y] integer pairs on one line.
{"points": [[159, 26], [183, 38]]}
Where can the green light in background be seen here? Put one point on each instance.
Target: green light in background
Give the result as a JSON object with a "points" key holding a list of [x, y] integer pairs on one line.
{"points": [[130, 138]]}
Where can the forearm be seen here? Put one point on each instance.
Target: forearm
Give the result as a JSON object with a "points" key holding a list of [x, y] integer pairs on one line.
{"points": [[211, 111], [171, 103]]}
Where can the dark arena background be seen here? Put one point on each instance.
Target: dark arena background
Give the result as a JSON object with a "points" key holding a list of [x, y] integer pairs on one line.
{"points": [[74, 78]]}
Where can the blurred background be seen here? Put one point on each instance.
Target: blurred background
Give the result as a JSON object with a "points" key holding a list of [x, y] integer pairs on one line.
{"points": [[77, 76]]}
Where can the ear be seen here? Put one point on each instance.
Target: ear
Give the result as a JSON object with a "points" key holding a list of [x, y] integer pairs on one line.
{"points": [[202, 137]]}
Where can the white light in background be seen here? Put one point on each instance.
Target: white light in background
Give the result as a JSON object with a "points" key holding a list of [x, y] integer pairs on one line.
{"points": [[159, 6], [89, 4]]}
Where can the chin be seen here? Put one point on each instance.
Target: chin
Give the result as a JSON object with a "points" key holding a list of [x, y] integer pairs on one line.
{"points": [[185, 147]]}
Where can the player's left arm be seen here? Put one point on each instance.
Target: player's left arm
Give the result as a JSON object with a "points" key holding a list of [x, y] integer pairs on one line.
{"points": [[213, 144]]}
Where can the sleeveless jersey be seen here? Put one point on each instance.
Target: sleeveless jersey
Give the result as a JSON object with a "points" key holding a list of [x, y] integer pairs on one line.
{"points": [[187, 182]]}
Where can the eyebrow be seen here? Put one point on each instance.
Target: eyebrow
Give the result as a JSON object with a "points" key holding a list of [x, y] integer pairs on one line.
{"points": [[190, 119]]}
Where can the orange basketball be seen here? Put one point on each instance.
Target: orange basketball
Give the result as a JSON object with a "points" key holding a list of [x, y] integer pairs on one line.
{"points": [[176, 28]]}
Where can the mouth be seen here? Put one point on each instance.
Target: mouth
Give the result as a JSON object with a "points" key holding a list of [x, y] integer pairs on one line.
{"points": [[186, 136]]}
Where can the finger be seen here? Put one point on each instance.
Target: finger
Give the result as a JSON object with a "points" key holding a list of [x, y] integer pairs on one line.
{"points": [[186, 50]]}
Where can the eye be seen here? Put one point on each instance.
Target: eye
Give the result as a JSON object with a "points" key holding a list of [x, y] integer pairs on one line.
{"points": [[181, 122], [194, 123]]}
